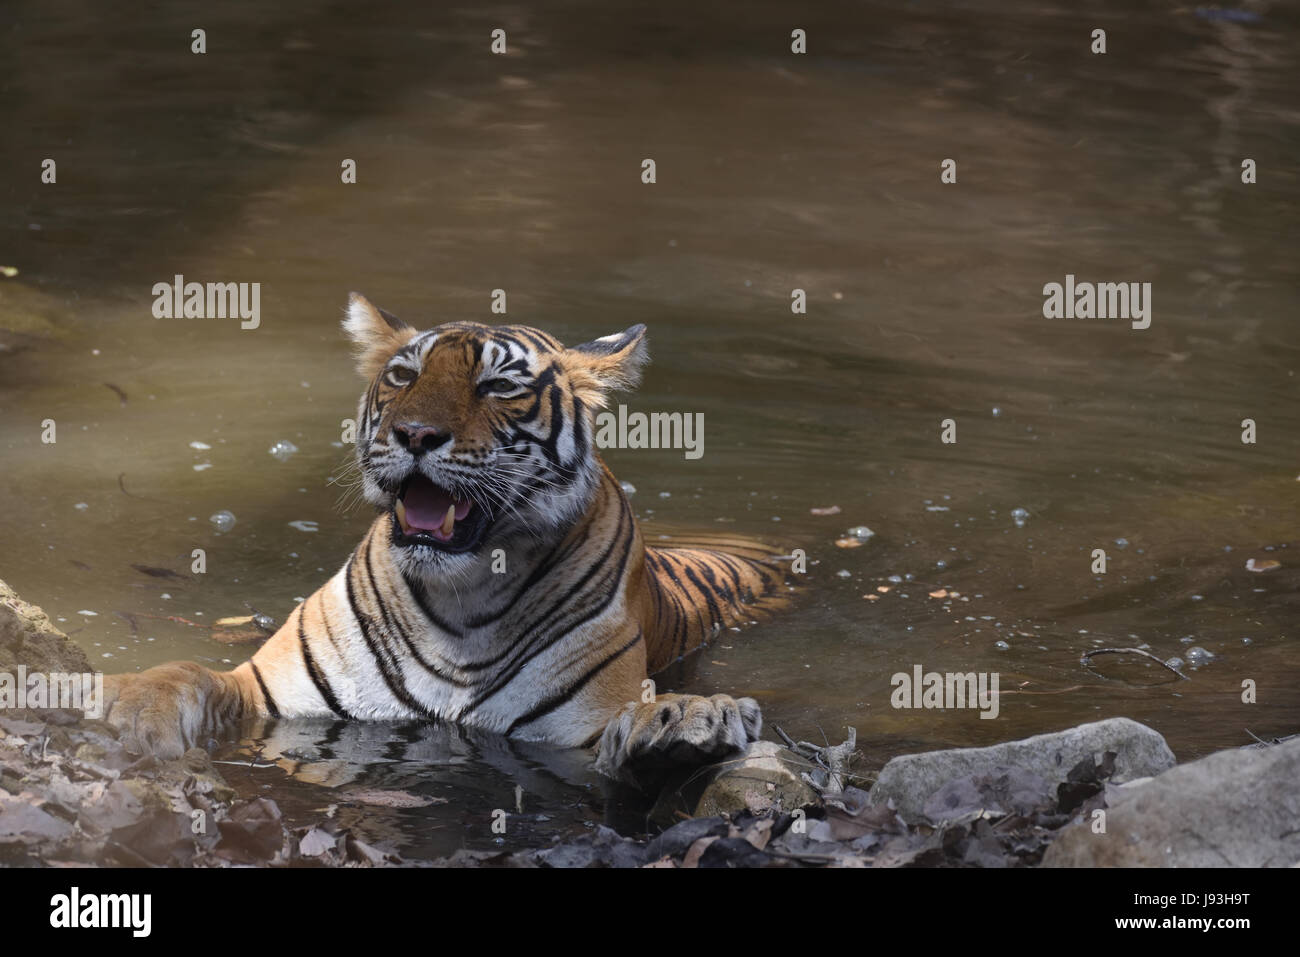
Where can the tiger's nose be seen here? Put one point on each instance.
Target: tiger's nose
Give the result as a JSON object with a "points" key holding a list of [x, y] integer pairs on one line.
{"points": [[418, 438]]}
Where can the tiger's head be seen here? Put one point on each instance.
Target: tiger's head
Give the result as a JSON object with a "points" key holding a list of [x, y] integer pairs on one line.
{"points": [[470, 434]]}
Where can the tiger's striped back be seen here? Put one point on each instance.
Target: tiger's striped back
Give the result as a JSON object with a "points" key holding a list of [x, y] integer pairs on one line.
{"points": [[695, 588]]}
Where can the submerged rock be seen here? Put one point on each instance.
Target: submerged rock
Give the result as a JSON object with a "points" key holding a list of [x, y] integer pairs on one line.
{"points": [[1232, 809], [911, 779]]}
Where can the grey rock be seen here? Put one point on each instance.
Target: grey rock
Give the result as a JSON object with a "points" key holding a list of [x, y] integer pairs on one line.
{"points": [[1001, 791], [1232, 809], [909, 780]]}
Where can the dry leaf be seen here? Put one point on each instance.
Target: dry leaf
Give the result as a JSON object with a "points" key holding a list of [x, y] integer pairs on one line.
{"points": [[316, 842], [696, 851]]}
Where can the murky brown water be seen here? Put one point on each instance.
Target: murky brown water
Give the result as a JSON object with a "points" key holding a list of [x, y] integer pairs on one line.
{"points": [[775, 171]]}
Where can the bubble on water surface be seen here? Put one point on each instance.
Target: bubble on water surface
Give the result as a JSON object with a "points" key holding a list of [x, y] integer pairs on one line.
{"points": [[283, 450]]}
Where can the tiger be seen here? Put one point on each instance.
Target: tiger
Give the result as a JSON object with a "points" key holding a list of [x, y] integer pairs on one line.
{"points": [[504, 584]]}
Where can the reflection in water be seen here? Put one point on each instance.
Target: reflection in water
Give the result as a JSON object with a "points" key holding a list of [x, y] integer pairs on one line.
{"points": [[386, 781], [775, 173]]}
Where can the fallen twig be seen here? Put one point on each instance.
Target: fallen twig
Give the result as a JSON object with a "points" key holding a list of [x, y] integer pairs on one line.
{"points": [[831, 760], [1131, 651]]}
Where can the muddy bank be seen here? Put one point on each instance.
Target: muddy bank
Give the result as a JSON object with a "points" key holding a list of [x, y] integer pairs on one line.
{"points": [[1101, 794]]}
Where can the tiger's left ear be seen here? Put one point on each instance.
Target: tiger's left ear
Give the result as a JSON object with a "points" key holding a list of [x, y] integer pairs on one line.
{"points": [[607, 364], [375, 334]]}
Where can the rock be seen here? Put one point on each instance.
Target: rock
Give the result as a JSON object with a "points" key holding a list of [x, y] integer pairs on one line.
{"points": [[23, 823], [909, 780], [1000, 790], [767, 775], [1232, 809], [28, 637]]}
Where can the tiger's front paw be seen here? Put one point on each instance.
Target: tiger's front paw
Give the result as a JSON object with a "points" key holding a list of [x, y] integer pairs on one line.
{"points": [[676, 731], [160, 711]]}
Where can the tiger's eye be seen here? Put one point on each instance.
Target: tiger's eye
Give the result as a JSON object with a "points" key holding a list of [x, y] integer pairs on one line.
{"points": [[496, 385]]}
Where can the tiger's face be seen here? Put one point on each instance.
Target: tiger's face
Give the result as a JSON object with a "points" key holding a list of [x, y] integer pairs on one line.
{"points": [[471, 434]]}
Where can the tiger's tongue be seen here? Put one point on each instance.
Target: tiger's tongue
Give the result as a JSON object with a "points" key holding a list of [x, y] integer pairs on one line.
{"points": [[426, 505]]}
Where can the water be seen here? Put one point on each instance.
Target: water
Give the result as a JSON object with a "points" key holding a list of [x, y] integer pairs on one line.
{"points": [[775, 172]]}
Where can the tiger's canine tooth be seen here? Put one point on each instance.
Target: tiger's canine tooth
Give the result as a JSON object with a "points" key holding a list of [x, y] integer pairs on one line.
{"points": [[401, 515], [449, 522]]}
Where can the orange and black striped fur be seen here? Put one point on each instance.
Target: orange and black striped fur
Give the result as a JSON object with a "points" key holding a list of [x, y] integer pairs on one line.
{"points": [[504, 584]]}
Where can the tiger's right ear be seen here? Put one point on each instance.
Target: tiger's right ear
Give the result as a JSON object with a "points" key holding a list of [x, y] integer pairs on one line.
{"points": [[375, 334]]}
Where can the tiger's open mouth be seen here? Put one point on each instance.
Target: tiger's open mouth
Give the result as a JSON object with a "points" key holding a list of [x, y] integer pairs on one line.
{"points": [[427, 514]]}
